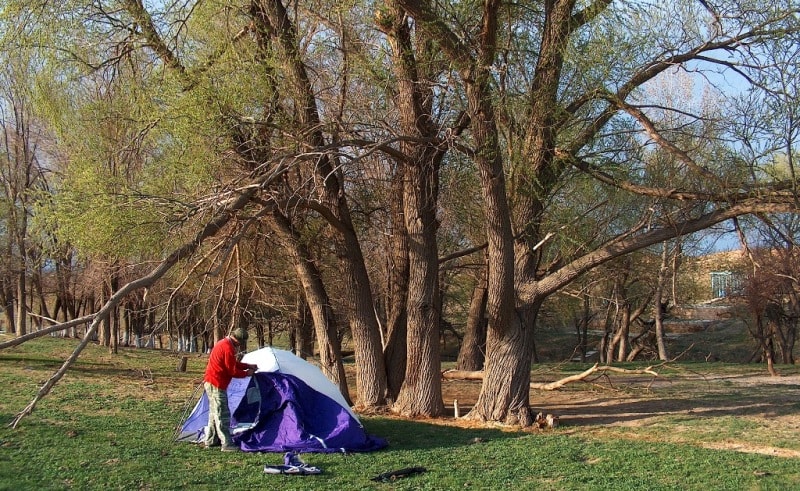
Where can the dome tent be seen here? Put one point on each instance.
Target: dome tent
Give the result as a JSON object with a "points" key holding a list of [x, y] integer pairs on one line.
{"points": [[288, 405]]}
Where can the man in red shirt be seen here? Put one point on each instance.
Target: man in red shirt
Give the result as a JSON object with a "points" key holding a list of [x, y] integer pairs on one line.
{"points": [[223, 365]]}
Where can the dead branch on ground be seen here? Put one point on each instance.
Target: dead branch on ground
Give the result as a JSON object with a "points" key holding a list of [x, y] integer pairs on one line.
{"points": [[596, 368]]}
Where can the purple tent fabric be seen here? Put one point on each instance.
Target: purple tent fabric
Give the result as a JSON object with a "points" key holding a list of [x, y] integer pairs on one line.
{"points": [[289, 415], [287, 405]]}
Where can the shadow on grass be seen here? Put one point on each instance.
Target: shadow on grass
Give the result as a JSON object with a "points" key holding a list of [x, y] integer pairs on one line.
{"points": [[48, 363], [5, 420], [91, 369], [417, 435], [757, 401]]}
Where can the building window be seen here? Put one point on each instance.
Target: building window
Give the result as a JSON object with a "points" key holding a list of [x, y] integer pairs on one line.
{"points": [[725, 283]]}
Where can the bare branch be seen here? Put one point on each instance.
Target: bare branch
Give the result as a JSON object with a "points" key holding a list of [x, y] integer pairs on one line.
{"points": [[48, 330], [211, 228]]}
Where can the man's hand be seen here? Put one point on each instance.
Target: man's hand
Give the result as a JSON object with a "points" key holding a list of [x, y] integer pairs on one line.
{"points": [[250, 371]]}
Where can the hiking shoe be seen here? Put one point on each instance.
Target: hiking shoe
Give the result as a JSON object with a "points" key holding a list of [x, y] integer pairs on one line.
{"points": [[210, 445], [231, 448]]}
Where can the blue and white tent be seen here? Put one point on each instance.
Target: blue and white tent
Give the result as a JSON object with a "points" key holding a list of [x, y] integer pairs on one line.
{"points": [[288, 405]]}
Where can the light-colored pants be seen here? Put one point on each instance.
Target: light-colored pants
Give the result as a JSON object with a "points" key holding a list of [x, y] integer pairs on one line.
{"points": [[219, 417]]}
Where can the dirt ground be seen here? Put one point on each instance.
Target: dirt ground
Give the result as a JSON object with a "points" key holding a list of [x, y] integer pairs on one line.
{"points": [[712, 396], [610, 402]]}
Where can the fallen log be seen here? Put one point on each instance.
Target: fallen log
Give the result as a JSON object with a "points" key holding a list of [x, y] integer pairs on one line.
{"points": [[596, 368]]}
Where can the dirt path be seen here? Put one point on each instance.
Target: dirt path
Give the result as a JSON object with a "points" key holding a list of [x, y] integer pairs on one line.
{"points": [[770, 405]]}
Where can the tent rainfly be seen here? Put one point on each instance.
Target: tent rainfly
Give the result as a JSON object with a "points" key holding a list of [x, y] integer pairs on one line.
{"points": [[288, 405]]}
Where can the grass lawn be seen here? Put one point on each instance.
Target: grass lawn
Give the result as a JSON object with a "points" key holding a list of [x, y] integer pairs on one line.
{"points": [[109, 424]]}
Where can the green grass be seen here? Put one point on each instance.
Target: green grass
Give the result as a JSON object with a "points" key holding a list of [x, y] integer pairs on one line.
{"points": [[109, 424]]}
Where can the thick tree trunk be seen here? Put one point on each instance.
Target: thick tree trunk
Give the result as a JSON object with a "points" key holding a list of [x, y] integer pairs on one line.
{"points": [[505, 392], [513, 253], [303, 329], [421, 393], [508, 354], [370, 365], [395, 350]]}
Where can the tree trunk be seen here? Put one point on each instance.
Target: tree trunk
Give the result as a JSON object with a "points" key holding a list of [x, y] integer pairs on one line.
{"points": [[126, 324], [104, 329], [41, 297], [769, 356], [421, 393], [395, 351], [114, 315], [583, 328], [513, 252], [658, 305], [507, 347], [473, 347], [791, 325], [505, 392], [622, 338], [8, 306], [304, 327], [316, 297], [21, 314]]}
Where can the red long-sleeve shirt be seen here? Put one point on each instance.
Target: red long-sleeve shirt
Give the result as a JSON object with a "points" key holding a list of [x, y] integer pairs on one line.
{"points": [[223, 366]]}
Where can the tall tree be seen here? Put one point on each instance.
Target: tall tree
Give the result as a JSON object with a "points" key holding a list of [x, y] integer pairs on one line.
{"points": [[421, 392], [569, 119], [23, 165]]}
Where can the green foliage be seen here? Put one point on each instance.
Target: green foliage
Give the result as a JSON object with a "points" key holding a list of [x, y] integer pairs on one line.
{"points": [[109, 425]]}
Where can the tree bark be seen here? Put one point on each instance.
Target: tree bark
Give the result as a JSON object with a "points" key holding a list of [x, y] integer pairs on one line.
{"points": [[8, 305], [473, 347], [303, 329], [421, 393], [658, 304], [396, 350], [508, 343], [21, 311]]}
